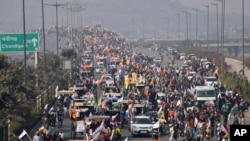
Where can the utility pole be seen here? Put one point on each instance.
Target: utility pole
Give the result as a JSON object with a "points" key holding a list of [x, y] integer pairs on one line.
{"points": [[222, 34], [24, 40], [217, 24], [196, 34], [186, 22], [207, 24], [243, 38], [167, 27], [77, 10], [57, 40], [143, 29], [178, 25], [44, 45]]}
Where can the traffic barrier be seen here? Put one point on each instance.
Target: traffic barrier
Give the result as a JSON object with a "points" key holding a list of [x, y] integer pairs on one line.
{"points": [[47, 96]]}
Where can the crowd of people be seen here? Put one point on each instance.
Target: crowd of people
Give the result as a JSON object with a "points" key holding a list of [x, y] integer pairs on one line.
{"points": [[140, 79]]}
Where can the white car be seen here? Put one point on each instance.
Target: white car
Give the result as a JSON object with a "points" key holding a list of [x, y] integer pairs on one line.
{"points": [[182, 56], [211, 81], [141, 125], [157, 60]]}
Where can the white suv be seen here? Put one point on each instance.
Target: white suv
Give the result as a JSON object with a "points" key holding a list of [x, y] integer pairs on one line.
{"points": [[141, 125], [211, 81]]}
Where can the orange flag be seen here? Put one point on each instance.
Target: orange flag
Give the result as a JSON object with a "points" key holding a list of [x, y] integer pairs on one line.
{"points": [[151, 82]]}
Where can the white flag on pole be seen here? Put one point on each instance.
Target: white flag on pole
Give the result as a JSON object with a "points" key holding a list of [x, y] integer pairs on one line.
{"points": [[99, 129], [120, 100], [157, 124], [178, 103], [95, 136], [126, 139], [90, 114], [46, 106], [56, 90], [24, 133], [112, 135], [114, 117], [160, 110], [74, 92], [222, 127]]}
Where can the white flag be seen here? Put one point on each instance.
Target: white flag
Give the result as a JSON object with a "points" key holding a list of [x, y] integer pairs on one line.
{"points": [[157, 124], [56, 90], [90, 114], [222, 127], [74, 92], [22, 134], [120, 100], [160, 110], [46, 106], [178, 103], [112, 135], [95, 136], [195, 122], [126, 139], [99, 129], [114, 117]]}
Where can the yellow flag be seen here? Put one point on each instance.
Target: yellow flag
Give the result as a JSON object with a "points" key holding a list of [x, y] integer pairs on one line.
{"points": [[126, 81], [127, 61], [99, 101]]}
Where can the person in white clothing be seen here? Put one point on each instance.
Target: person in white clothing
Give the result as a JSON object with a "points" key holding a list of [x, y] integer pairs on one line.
{"points": [[78, 113]]}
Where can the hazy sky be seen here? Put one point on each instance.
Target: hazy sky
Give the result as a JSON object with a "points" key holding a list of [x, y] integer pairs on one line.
{"points": [[118, 14], [232, 6]]}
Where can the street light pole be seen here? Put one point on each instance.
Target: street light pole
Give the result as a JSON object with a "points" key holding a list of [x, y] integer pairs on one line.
{"points": [[24, 40], [178, 25], [186, 22], [167, 27], [143, 29], [217, 24], [222, 34], [243, 39], [196, 34], [44, 46], [57, 39], [207, 24], [57, 29]]}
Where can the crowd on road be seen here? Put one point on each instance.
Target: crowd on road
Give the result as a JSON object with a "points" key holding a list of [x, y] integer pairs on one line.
{"points": [[120, 87]]}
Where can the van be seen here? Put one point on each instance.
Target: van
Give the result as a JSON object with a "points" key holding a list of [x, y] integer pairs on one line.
{"points": [[204, 93]]}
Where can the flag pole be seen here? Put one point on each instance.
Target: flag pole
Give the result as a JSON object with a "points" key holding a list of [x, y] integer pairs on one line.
{"points": [[29, 137]]}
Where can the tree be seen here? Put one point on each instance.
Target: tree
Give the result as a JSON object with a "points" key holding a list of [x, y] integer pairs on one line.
{"points": [[69, 53], [3, 61]]}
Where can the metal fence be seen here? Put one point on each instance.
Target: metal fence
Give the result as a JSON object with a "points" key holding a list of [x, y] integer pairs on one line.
{"points": [[45, 97]]}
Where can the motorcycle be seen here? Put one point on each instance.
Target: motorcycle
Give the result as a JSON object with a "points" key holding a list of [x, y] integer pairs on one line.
{"points": [[163, 129]]}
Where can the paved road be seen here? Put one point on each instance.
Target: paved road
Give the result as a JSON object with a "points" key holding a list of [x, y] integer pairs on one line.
{"points": [[125, 132], [166, 60]]}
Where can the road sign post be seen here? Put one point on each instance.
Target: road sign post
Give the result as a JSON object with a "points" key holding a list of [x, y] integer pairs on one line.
{"points": [[13, 42]]}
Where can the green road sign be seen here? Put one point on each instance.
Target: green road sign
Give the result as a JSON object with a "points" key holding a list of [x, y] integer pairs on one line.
{"points": [[13, 42]]}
